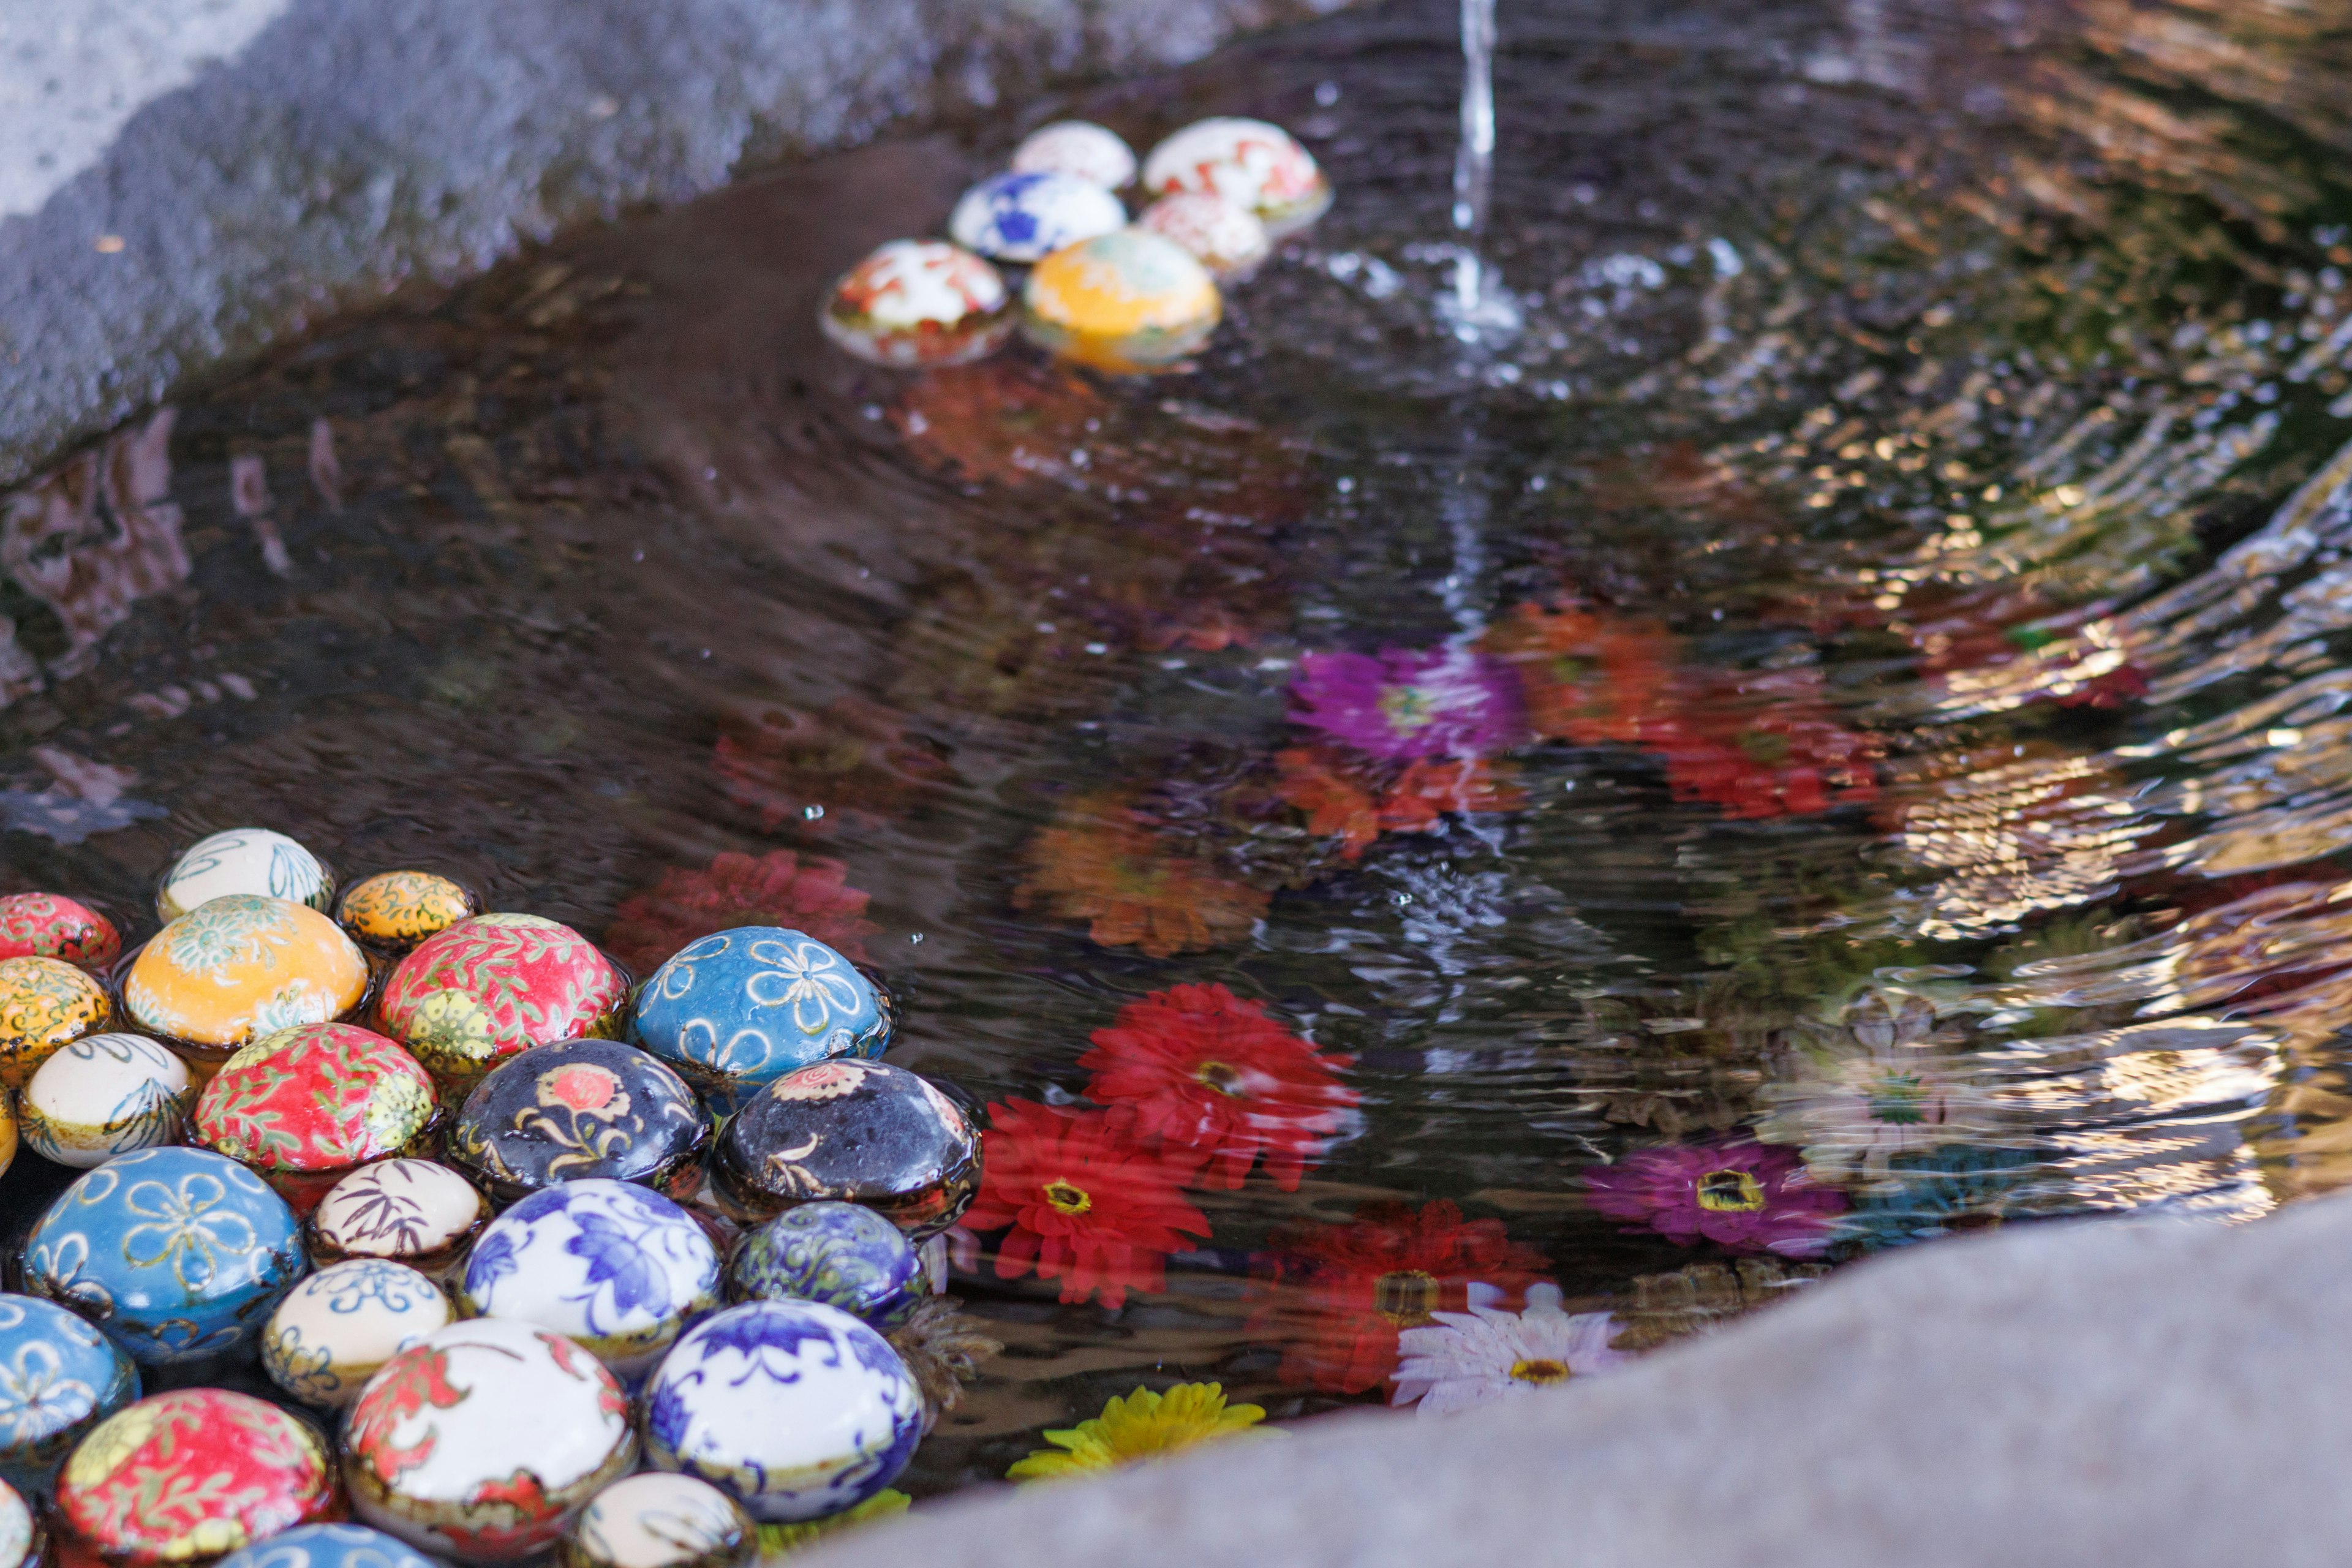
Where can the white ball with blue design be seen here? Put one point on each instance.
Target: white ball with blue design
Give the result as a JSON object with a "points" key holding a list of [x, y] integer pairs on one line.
{"points": [[1026, 217], [793, 1409]]}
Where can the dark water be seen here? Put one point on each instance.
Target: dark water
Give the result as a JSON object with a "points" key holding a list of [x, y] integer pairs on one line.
{"points": [[1912, 499]]}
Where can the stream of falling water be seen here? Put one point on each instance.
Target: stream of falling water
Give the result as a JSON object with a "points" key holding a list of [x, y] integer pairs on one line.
{"points": [[1479, 309]]}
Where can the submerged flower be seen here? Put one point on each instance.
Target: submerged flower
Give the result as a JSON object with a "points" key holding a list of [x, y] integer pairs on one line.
{"points": [[1587, 678], [804, 893], [853, 760], [1342, 801], [1445, 702], [1204, 1070], [1880, 1085], [1084, 1204], [1938, 1191], [1771, 748], [1747, 1197], [1483, 1355], [942, 1346], [1357, 1286], [778, 1539], [1101, 864], [1143, 1425]]}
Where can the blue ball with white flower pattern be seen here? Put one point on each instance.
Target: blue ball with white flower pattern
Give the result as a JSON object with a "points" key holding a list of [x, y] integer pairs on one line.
{"points": [[58, 1378], [793, 1409], [740, 1008], [1026, 217], [844, 1254], [328, 1546], [613, 1266], [176, 1253]]}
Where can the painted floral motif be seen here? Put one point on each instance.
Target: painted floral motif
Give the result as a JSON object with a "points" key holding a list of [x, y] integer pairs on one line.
{"points": [[579, 1108], [328, 1546], [333, 1330], [1080, 1203], [59, 1376], [193, 1474], [46, 925], [1255, 166], [1485, 1355], [1146, 1425], [1879, 1085], [1208, 1072], [618, 1268], [654, 1520], [398, 909], [1744, 1195], [413, 1210], [496, 984], [793, 1409], [248, 860], [1340, 1294], [44, 1002], [243, 966], [917, 302], [1445, 702], [800, 892], [319, 1097], [105, 1095], [886, 1139], [840, 1254], [742, 1007], [1101, 864]]}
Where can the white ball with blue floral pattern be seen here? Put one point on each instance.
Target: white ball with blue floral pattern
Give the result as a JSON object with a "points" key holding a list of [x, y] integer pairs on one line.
{"points": [[1026, 217]]}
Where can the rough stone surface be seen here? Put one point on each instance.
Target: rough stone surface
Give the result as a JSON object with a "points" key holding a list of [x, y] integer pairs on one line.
{"points": [[350, 143], [2144, 1394]]}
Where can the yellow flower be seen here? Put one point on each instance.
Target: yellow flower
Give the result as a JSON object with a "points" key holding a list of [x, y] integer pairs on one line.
{"points": [[781, 1540], [1143, 1425]]}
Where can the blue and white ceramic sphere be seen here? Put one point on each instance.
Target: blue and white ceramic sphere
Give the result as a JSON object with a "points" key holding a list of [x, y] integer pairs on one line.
{"points": [[177, 1254], [611, 1265], [331, 1332], [328, 1546], [740, 1008], [844, 1254], [1028, 217], [794, 1408], [58, 1378]]}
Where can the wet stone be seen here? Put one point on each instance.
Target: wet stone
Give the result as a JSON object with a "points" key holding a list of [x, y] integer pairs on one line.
{"points": [[740, 1008], [1028, 217], [658, 1519], [620, 1269], [392, 912], [236, 1469], [434, 1444], [844, 1254], [306, 1106], [63, 1378], [858, 1131], [410, 1211], [793, 1409], [48, 925], [105, 1095], [240, 967], [492, 987], [252, 860], [333, 1330], [44, 1002], [579, 1108]]}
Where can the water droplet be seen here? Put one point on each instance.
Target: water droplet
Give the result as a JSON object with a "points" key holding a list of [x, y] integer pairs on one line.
{"points": [[810, 813]]}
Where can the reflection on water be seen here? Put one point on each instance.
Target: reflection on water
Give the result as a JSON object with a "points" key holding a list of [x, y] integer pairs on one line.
{"points": [[1830, 736]]}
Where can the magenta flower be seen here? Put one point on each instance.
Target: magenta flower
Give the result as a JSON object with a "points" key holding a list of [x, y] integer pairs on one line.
{"points": [[1443, 702], [1749, 1197]]}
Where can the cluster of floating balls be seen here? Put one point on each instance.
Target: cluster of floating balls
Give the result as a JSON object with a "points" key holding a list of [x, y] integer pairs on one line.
{"points": [[1128, 297], [534, 1256]]}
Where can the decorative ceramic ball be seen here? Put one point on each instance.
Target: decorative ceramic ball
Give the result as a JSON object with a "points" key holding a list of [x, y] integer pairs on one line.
{"points": [[618, 1268], [1078, 148], [22, 1538], [844, 1254], [105, 1095], [919, 303], [395, 911], [740, 1008], [1025, 218], [579, 1108], [481, 1443], [306, 1106], [328, 1546], [48, 925], [793, 1409], [657, 1519], [494, 986], [244, 860], [44, 1002], [410, 1211], [1252, 165], [1228, 240], [187, 1476], [58, 1378], [7, 1132], [241, 967], [177, 1254], [863, 1132], [1128, 301], [333, 1330]]}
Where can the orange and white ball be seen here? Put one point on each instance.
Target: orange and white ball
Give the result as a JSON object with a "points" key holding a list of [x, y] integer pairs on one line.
{"points": [[1228, 240], [1129, 300], [1078, 148], [918, 302], [1252, 165]]}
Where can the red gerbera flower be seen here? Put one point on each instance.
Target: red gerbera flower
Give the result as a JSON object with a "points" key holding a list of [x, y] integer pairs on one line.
{"points": [[1353, 1287], [1768, 748], [780, 889], [1199, 1066], [1086, 1205]]}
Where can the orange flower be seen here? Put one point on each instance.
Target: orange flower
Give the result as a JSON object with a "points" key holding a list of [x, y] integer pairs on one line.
{"points": [[1337, 803], [1334, 805], [1428, 790], [1586, 679], [779, 888], [1101, 864]]}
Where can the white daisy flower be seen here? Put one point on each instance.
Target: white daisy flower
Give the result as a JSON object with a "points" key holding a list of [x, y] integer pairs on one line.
{"points": [[1484, 1354]]}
